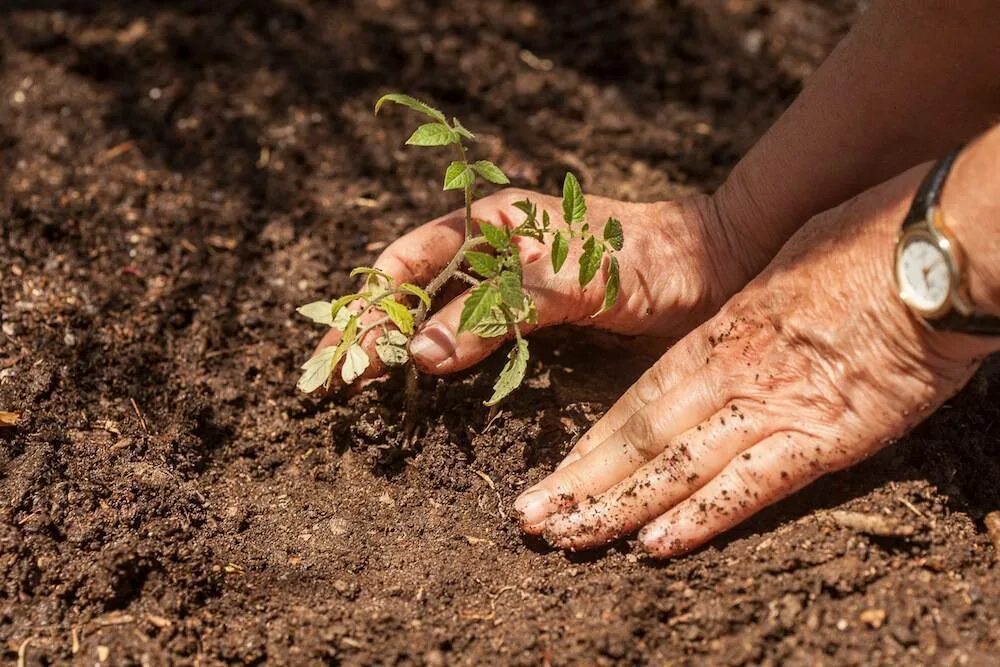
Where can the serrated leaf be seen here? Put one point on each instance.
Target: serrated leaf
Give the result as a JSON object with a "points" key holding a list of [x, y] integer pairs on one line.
{"points": [[483, 264], [398, 313], [527, 207], [560, 251], [545, 221], [574, 207], [512, 374], [317, 370], [490, 172], [458, 127], [481, 300], [418, 292], [493, 325], [498, 237], [433, 134], [458, 176], [339, 304], [511, 291], [610, 287], [590, 261], [319, 312], [341, 319], [412, 103], [613, 233], [391, 349], [356, 361]]}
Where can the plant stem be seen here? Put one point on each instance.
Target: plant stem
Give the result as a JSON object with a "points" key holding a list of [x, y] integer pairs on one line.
{"points": [[462, 157]]}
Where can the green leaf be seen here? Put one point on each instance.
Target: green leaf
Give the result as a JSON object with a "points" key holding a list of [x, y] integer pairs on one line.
{"points": [[318, 311], [398, 313], [391, 348], [418, 292], [355, 362], [590, 261], [528, 208], [610, 287], [341, 319], [511, 291], [317, 370], [545, 221], [478, 305], [613, 233], [483, 264], [574, 207], [461, 130], [433, 134], [369, 271], [560, 251], [341, 302], [512, 374], [490, 172], [458, 176], [498, 237], [493, 325], [412, 103], [531, 316]]}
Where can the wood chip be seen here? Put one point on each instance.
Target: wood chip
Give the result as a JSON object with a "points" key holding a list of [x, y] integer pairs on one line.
{"points": [[9, 418], [872, 524]]}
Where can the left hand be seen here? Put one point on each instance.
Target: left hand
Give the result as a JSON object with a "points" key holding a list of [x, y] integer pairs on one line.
{"points": [[812, 367]]}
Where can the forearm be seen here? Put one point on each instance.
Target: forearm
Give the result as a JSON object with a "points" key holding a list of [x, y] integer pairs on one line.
{"points": [[910, 81], [970, 205]]}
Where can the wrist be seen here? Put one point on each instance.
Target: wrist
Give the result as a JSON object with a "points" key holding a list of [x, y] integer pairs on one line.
{"points": [[970, 206]]}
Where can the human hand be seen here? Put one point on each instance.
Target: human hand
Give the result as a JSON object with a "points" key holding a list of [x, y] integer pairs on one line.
{"points": [[813, 366], [677, 268]]}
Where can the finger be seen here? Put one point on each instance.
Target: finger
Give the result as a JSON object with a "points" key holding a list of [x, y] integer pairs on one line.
{"points": [[689, 461], [421, 254], [439, 349], [764, 474], [642, 438], [681, 360]]}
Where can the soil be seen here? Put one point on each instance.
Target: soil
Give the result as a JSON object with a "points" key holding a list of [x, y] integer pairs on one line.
{"points": [[177, 176]]}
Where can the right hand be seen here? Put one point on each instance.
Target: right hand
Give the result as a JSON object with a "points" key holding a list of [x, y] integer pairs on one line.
{"points": [[678, 266]]}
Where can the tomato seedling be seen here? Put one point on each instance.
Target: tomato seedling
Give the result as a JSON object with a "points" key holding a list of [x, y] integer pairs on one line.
{"points": [[497, 303]]}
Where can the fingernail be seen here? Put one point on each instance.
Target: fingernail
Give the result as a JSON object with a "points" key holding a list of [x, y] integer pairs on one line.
{"points": [[434, 344], [533, 506]]}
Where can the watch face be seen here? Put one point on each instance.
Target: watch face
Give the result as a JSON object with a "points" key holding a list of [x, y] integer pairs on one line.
{"points": [[924, 275]]}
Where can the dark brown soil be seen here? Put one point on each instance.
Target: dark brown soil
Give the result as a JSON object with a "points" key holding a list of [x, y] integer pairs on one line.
{"points": [[176, 177]]}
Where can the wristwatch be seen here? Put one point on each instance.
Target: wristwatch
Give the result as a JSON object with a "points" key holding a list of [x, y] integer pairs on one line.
{"points": [[930, 265]]}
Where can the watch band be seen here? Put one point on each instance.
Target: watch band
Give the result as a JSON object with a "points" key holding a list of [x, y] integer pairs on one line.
{"points": [[927, 198], [929, 193]]}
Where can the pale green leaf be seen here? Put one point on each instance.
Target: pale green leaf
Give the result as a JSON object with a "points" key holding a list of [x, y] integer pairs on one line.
{"points": [[613, 234], [317, 370], [512, 374], [369, 271], [493, 325], [610, 287], [458, 176], [341, 302], [478, 304], [319, 312], [412, 103], [341, 319], [498, 237], [398, 313], [483, 264], [574, 207], [433, 134], [418, 292], [560, 251], [391, 348], [355, 362], [490, 172], [590, 261]]}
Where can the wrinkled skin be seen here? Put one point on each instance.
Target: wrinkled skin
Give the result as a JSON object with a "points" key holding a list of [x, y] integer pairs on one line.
{"points": [[813, 366], [678, 266]]}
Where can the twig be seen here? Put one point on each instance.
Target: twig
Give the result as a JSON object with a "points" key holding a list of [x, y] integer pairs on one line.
{"points": [[912, 508], [22, 651], [142, 420], [872, 524]]}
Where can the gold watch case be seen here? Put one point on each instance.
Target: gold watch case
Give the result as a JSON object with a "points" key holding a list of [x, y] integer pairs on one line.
{"points": [[934, 231]]}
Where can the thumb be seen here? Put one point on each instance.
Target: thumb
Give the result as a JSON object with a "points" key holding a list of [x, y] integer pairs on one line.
{"points": [[438, 349]]}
